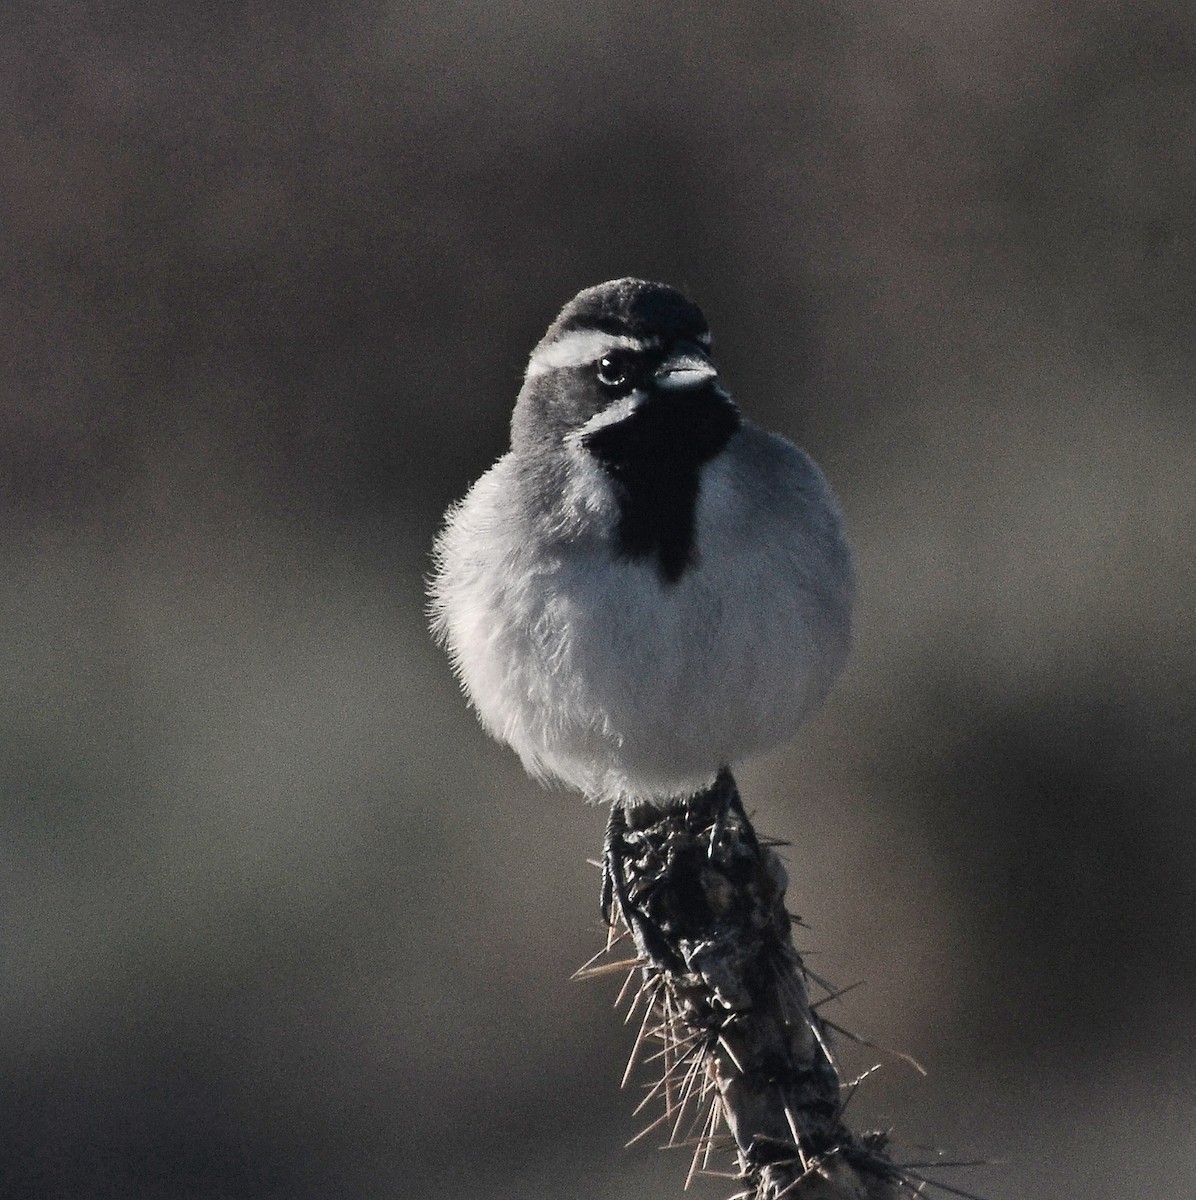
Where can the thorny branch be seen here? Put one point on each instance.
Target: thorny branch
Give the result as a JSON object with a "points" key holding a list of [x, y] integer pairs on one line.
{"points": [[743, 1061]]}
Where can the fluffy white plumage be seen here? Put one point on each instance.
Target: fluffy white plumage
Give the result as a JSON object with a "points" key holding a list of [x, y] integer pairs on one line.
{"points": [[602, 675]]}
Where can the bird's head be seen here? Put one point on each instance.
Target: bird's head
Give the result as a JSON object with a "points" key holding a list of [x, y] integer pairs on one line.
{"points": [[625, 373]]}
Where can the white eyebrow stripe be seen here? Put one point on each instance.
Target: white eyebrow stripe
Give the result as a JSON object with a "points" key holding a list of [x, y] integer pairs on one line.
{"points": [[578, 348]]}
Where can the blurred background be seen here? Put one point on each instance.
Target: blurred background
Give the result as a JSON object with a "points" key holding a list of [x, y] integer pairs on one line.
{"points": [[278, 921]]}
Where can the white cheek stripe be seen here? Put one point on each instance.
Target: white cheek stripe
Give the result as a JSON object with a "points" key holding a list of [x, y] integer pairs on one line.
{"points": [[612, 414], [576, 349]]}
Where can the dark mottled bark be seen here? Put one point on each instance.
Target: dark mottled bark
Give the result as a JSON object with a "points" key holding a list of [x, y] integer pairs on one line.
{"points": [[725, 991]]}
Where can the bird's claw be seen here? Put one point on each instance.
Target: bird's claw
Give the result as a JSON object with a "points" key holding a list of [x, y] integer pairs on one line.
{"points": [[614, 890]]}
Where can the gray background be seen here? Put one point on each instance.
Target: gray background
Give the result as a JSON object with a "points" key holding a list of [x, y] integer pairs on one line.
{"points": [[278, 921]]}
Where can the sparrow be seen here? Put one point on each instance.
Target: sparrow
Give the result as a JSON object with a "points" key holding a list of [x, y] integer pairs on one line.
{"points": [[646, 589]]}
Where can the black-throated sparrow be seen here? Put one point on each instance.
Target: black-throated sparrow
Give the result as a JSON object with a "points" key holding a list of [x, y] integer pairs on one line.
{"points": [[646, 588]]}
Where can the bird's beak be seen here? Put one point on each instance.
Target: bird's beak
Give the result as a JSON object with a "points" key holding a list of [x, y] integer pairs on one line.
{"points": [[686, 367]]}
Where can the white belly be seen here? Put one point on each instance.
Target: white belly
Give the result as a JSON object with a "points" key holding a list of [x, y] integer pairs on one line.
{"points": [[625, 688]]}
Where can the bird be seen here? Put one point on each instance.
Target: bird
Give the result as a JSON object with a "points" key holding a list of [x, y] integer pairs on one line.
{"points": [[646, 589]]}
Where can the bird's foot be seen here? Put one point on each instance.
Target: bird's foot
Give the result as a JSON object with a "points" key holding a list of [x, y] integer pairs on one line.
{"points": [[614, 884], [727, 803], [616, 895]]}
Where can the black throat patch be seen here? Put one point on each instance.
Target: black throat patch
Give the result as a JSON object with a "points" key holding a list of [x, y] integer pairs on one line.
{"points": [[654, 459]]}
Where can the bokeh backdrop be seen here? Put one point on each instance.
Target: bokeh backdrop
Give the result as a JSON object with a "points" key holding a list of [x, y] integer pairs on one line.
{"points": [[278, 921]]}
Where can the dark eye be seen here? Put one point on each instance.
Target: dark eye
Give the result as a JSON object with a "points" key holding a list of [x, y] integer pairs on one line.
{"points": [[617, 368]]}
